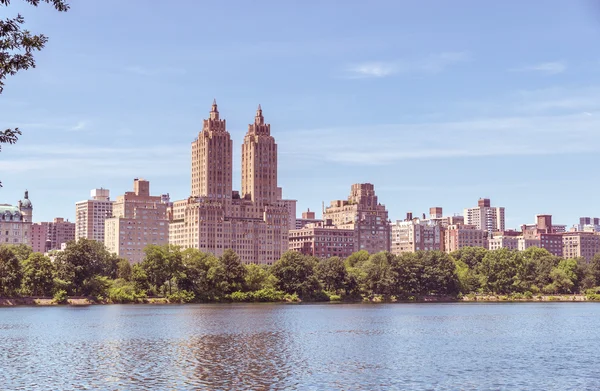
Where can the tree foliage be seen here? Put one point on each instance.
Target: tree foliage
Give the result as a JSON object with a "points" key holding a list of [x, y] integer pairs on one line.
{"points": [[38, 275], [17, 47], [86, 268]]}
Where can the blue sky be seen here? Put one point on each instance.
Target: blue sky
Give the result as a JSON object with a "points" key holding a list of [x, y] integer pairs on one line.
{"points": [[437, 103]]}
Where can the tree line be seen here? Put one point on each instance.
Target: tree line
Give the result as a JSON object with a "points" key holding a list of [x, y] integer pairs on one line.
{"points": [[86, 268]]}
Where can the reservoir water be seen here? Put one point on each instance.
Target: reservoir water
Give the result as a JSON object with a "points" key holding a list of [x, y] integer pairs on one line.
{"points": [[463, 346]]}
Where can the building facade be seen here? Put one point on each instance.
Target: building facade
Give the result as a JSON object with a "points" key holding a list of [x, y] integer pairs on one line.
{"points": [[91, 214], [308, 217], [459, 236], [580, 245], [138, 220], [485, 217], [15, 222], [323, 240], [416, 234], [50, 235], [363, 213], [254, 223]]}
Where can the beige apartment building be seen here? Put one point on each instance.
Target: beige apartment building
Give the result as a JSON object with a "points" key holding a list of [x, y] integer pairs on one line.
{"points": [[138, 220], [363, 213], [415, 234], [15, 222], [485, 217], [91, 214], [459, 236], [580, 244], [50, 235], [254, 223], [323, 240]]}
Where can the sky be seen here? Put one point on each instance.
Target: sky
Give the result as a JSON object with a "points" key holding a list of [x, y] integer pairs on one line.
{"points": [[436, 103]]}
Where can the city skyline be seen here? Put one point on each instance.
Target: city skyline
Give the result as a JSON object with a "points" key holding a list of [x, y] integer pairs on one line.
{"points": [[430, 113]]}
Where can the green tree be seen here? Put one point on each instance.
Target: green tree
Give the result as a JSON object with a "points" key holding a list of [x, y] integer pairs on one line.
{"points": [[124, 269], [16, 52], [406, 270], [378, 274], [231, 273], [296, 274], [196, 275], [257, 277], [139, 279], [10, 272], [592, 277], [468, 280], [21, 251], [564, 277], [81, 262], [332, 274], [38, 274], [472, 256], [437, 275], [357, 259], [498, 270], [163, 266]]}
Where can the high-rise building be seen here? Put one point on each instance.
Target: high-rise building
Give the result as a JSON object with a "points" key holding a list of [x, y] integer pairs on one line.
{"points": [[212, 159], [363, 213], [323, 240], [15, 222], [91, 214], [255, 223], [485, 216], [415, 234], [49, 235], [138, 220]]}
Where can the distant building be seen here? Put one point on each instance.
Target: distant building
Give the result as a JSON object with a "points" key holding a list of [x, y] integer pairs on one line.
{"points": [[415, 234], [308, 217], [543, 225], [580, 244], [50, 235], [552, 242], [459, 236], [498, 242], [254, 222], [363, 213], [323, 240], [485, 217], [138, 220], [15, 222], [91, 214], [588, 224]]}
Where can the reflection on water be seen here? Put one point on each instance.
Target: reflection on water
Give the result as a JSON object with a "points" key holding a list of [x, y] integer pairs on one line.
{"points": [[540, 346]]}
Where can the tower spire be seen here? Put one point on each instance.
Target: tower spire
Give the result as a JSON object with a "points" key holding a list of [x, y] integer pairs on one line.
{"points": [[214, 112], [259, 119]]}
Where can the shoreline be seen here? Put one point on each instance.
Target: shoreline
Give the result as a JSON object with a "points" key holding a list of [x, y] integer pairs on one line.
{"points": [[87, 301]]}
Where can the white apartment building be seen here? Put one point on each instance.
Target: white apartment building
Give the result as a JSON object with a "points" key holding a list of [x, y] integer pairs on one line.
{"points": [[91, 214], [485, 217]]}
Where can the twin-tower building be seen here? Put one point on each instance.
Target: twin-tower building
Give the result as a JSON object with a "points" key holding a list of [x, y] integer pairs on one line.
{"points": [[255, 221]]}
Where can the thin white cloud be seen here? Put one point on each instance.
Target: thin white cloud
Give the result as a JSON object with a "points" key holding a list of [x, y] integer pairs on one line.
{"points": [[373, 69], [433, 63], [81, 125], [547, 68], [496, 136], [78, 161]]}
